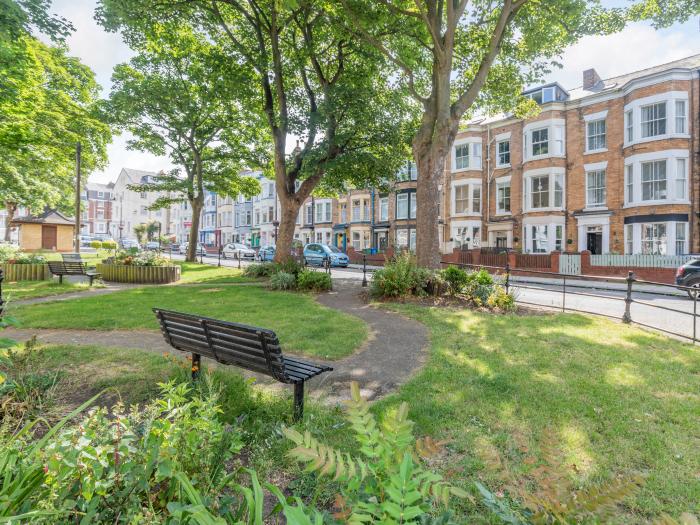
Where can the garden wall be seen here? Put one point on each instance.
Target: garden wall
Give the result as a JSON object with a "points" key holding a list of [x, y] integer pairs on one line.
{"points": [[139, 274], [25, 272]]}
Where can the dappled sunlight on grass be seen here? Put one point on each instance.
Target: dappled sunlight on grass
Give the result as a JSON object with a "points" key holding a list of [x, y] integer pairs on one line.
{"points": [[614, 397]]}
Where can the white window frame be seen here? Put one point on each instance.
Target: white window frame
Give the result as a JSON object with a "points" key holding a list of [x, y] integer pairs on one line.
{"points": [[674, 177], [634, 243], [384, 209], [633, 112], [473, 157], [501, 184], [400, 196], [555, 233], [470, 185], [555, 175], [596, 167], [499, 159], [556, 139], [596, 134], [681, 120], [466, 232]]}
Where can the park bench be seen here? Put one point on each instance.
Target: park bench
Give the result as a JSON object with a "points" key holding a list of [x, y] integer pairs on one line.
{"points": [[62, 268], [247, 347], [71, 257]]}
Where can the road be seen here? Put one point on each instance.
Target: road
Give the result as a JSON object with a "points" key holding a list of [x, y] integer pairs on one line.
{"points": [[609, 302]]}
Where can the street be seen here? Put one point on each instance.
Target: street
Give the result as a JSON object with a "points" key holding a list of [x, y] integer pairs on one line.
{"points": [[608, 302]]}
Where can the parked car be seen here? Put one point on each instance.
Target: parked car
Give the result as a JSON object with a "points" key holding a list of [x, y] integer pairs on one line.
{"points": [[152, 245], [689, 275], [128, 244], [102, 237], [235, 250], [173, 247], [266, 253], [316, 254], [85, 240], [199, 250]]}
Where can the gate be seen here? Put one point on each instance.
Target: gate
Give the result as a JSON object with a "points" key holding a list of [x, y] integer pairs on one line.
{"points": [[570, 263]]}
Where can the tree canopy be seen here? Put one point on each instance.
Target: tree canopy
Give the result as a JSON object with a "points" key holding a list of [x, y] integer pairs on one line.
{"points": [[176, 97], [312, 82], [48, 103]]}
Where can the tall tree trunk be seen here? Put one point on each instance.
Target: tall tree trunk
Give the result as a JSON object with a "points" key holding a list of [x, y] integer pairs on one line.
{"points": [[11, 209], [430, 164], [289, 210], [196, 204]]}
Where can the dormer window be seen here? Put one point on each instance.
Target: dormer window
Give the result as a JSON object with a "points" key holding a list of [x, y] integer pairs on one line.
{"points": [[547, 94]]}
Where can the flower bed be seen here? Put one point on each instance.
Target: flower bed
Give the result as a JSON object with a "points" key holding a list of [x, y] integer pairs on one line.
{"points": [[129, 273]]}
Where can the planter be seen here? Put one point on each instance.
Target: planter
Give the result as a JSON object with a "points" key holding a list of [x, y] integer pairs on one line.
{"points": [[122, 273], [25, 272]]}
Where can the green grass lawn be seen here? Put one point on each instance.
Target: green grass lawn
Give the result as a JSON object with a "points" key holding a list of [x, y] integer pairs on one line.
{"points": [[302, 324], [614, 401], [19, 290], [204, 273]]}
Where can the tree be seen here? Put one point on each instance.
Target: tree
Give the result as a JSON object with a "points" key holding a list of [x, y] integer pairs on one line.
{"points": [[177, 96], [457, 57], [47, 104], [311, 82]]}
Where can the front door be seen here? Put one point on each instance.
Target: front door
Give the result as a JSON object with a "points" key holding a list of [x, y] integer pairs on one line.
{"points": [[48, 237], [594, 242]]}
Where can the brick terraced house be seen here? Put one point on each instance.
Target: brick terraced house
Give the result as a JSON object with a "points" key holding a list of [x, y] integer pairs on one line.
{"points": [[610, 167]]}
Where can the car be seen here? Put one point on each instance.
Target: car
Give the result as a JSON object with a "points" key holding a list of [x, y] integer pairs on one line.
{"points": [[235, 250], [689, 275], [102, 237], [85, 240], [316, 254], [128, 244], [174, 247], [200, 250], [152, 245], [266, 253]]}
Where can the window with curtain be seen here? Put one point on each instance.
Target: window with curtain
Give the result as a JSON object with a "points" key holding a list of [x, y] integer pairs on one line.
{"points": [[595, 188], [654, 180]]}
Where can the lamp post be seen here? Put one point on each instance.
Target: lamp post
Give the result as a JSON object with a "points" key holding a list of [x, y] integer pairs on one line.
{"points": [[276, 224]]}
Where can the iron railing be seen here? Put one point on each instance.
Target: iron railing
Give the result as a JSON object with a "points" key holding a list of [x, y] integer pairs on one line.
{"points": [[626, 291]]}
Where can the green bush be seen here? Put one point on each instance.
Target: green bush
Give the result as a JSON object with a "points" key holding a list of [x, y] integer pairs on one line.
{"points": [[29, 258], [401, 277], [8, 252], [265, 269], [499, 299], [96, 244], [314, 281], [289, 266], [455, 278], [283, 281], [109, 245]]}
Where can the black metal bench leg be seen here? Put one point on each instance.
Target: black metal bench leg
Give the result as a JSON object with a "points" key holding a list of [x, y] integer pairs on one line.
{"points": [[90, 277], [60, 279], [196, 366], [298, 401]]}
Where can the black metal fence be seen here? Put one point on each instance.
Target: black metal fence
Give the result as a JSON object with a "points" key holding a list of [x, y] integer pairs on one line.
{"points": [[627, 292]]}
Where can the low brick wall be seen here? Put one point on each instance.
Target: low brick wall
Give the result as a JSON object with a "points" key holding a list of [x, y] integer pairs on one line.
{"points": [[25, 272], [139, 274], [376, 259]]}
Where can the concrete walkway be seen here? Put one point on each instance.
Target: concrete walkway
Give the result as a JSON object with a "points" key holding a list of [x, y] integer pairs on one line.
{"points": [[396, 348]]}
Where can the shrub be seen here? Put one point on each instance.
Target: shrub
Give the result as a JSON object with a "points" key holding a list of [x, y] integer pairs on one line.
{"points": [[283, 281], [289, 266], [314, 281], [96, 244], [455, 278], [28, 258], [109, 245], [259, 270], [8, 252], [499, 299], [400, 277], [388, 483]]}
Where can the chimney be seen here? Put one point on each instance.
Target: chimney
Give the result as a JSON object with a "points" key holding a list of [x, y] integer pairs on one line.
{"points": [[590, 78]]}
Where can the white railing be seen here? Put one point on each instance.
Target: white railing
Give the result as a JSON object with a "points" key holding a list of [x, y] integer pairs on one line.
{"points": [[641, 260], [570, 263]]}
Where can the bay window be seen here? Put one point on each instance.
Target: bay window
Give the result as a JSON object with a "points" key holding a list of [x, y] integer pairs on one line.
{"points": [[653, 119], [356, 210], [659, 234], [681, 238], [544, 139], [466, 154], [406, 205], [629, 239], [543, 234], [466, 198], [660, 116], [656, 177], [544, 189], [654, 238], [466, 234]]}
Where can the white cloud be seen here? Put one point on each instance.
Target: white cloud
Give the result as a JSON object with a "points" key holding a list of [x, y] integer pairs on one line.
{"points": [[120, 157], [637, 47]]}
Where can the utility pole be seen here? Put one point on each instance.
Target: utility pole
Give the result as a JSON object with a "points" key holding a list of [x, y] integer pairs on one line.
{"points": [[77, 198]]}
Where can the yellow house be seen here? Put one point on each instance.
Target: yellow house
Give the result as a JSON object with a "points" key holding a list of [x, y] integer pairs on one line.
{"points": [[49, 231]]}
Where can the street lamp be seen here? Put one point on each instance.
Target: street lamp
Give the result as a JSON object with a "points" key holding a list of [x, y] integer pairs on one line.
{"points": [[2, 276]]}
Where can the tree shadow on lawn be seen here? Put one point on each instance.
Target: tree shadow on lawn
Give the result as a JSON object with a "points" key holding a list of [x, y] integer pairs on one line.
{"points": [[614, 399]]}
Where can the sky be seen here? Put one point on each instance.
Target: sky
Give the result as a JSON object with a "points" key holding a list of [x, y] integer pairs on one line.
{"points": [[638, 46]]}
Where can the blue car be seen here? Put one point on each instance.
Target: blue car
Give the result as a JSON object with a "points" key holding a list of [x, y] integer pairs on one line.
{"points": [[316, 254], [266, 253]]}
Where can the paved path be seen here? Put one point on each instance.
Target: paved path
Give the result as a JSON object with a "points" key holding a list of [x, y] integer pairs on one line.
{"points": [[396, 348]]}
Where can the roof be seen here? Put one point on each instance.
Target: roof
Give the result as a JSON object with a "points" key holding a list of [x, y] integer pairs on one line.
{"points": [[608, 84], [48, 217], [96, 186]]}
